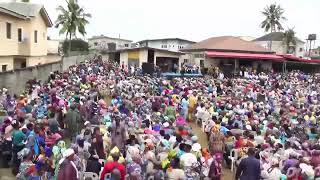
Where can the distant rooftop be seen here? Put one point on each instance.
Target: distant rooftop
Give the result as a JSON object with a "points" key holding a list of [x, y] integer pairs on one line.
{"points": [[275, 36], [166, 39], [106, 37], [25, 10], [227, 43]]}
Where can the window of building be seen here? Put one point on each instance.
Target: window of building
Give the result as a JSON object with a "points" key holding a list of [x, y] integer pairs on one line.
{"points": [[8, 30], [301, 49], [164, 46], [201, 63], [35, 36], [126, 45], [198, 56], [4, 67], [185, 60], [19, 35], [24, 64]]}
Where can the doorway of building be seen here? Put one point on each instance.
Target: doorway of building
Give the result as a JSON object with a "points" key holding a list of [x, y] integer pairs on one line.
{"points": [[19, 63], [167, 64]]}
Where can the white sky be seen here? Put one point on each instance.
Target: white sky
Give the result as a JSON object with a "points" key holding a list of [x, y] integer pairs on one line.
{"points": [[190, 19]]}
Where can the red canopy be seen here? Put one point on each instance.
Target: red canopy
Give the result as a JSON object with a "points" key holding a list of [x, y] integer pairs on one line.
{"points": [[251, 56], [293, 58]]}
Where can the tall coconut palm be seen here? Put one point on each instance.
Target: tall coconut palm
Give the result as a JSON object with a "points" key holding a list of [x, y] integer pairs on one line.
{"points": [[289, 40], [72, 20], [273, 18]]}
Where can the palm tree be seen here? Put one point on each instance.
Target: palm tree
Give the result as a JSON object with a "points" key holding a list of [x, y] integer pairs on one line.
{"points": [[289, 40], [73, 20], [273, 17]]}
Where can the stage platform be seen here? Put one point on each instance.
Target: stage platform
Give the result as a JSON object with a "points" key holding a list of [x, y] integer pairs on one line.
{"points": [[175, 75]]}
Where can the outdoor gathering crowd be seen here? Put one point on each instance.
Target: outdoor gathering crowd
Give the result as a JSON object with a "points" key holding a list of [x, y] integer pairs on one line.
{"points": [[262, 126]]}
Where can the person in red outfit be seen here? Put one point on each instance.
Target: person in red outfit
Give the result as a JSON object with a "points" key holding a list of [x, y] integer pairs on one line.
{"points": [[111, 166]]}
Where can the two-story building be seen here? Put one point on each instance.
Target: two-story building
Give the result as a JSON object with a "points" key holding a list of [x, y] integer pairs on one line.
{"points": [[23, 35], [108, 44], [278, 46], [169, 44]]}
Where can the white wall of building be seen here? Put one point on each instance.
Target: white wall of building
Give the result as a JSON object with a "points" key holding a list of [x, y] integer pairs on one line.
{"points": [[124, 58], [102, 43], [143, 56], [280, 48], [170, 45]]}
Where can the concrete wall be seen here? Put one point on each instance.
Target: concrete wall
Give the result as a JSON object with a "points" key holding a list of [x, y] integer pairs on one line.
{"points": [[15, 80], [280, 48], [124, 58], [6, 60], [143, 56], [72, 60], [102, 43], [53, 46]]}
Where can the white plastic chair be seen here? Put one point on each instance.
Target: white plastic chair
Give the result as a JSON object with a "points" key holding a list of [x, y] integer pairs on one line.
{"points": [[233, 157], [102, 162], [90, 176]]}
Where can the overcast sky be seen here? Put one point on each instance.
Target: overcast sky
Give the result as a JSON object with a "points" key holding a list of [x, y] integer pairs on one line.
{"points": [[190, 19]]}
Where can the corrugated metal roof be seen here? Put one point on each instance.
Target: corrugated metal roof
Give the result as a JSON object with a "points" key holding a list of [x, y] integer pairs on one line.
{"points": [[229, 43], [275, 36], [24, 9]]}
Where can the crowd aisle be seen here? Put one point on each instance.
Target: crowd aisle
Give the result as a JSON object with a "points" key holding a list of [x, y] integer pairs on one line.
{"points": [[261, 126]]}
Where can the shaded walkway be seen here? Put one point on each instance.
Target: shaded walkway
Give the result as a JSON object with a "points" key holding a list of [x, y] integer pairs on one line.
{"points": [[227, 174]]}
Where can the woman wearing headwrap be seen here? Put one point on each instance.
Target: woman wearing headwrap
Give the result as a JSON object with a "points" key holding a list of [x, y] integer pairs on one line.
{"points": [[27, 168], [216, 141], [68, 169], [206, 161], [97, 143], [215, 171]]}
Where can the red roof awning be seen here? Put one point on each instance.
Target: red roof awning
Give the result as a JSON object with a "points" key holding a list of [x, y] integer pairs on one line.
{"points": [[297, 59], [251, 56]]}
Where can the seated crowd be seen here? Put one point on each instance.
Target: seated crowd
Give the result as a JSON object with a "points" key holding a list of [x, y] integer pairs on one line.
{"points": [[98, 121]]}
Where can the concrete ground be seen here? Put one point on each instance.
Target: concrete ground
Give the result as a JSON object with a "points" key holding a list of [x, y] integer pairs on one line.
{"points": [[5, 174], [227, 174]]}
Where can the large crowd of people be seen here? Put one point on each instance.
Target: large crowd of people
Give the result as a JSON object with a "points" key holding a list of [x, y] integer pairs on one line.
{"points": [[98, 120]]}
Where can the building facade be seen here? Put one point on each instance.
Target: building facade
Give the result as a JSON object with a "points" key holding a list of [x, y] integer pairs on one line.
{"points": [[279, 47], [23, 35], [108, 44], [170, 44]]}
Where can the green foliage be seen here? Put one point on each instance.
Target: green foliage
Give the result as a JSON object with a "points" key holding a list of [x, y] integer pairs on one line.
{"points": [[26, 1], [273, 17], [76, 45], [289, 39], [73, 19]]}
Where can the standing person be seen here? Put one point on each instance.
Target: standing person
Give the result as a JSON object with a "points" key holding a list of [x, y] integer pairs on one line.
{"points": [[97, 143], [18, 138], [53, 123], [192, 106], [73, 120], [94, 165], [249, 168], [171, 111], [215, 171], [113, 167], [68, 169], [27, 168], [118, 134]]}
